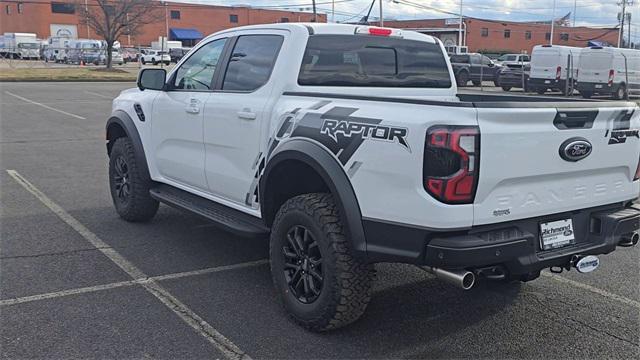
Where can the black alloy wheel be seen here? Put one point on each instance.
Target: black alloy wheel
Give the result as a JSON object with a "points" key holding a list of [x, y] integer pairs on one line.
{"points": [[121, 179], [303, 264]]}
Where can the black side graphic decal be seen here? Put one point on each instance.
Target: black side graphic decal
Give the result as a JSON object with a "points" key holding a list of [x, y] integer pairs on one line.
{"points": [[621, 129]]}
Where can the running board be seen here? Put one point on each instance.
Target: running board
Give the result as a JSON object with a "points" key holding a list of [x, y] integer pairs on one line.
{"points": [[224, 217]]}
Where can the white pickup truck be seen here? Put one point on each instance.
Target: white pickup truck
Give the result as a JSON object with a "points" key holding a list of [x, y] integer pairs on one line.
{"points": [[349, 146]]}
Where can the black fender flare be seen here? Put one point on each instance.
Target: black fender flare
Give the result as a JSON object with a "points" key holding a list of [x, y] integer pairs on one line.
{"points": [[333, 174], [122, 119]]}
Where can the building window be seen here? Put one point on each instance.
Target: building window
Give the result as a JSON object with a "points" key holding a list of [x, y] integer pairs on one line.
{"points": [[175, 14], [507, 33], [63, 8], [485, 32], [8, 9], [20, 8], [564, 37], [284, 19], [547, 36], [527, 35], [233, 18]]}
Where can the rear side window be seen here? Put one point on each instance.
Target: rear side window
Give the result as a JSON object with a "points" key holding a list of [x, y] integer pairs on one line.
{"points": [[362, 60], [251, 62], [460, 59]]}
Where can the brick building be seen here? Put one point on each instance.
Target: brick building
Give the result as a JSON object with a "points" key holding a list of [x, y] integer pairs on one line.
{"points": [[62, 17], [493, 36]]}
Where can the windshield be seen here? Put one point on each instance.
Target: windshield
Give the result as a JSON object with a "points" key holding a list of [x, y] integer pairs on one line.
{"points": [[373, 61], [508, 58], [28, 45]]}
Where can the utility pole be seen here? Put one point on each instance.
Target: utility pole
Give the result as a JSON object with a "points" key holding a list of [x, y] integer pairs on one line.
{"points": [[553, 22], [624, 4], [629, 30], [86, 11], [315, 19], [575, 11], [381, 16], [333, 11], [460, 27]]}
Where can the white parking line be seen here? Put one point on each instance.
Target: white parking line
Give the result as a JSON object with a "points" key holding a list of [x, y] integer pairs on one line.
{"points": [[44, 106], [90, 289], [99, 95], [594, 290], [224, 345]]}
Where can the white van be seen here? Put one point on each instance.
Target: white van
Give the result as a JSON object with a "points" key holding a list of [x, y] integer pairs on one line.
{"points": [[549, 67], [609, 71]]}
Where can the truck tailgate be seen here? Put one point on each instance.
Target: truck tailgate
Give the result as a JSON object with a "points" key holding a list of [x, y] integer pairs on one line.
{"points": [[522, 170]]}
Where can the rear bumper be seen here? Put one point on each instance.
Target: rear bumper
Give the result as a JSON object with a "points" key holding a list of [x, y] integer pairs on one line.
{"points": [[596, 88], [535, 83], [515, 246]]}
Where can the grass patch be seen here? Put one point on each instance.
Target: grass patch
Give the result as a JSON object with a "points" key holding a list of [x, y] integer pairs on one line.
{"points": [[66, 74]]}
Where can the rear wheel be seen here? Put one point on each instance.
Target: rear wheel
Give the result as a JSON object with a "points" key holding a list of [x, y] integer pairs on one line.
{"points": [[506, 88], [143, 62], [586, 94], [129, 189], [541, 91], [153, 61], [476, 83], [462, 79], [321, 283], [620, 93]]}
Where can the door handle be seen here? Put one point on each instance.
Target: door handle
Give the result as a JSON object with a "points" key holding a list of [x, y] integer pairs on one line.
{"points": [[247, 114]]}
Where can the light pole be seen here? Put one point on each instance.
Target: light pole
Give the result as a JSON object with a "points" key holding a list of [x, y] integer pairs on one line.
{"points": [[553, 22], [460, 27]]}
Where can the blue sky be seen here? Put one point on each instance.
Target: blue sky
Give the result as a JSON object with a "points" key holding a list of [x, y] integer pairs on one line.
{"points": [[588, 12]]}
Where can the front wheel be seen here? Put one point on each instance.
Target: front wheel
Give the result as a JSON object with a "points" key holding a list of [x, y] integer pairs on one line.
{"points": [[129, 189], [462, 79], [143, 62], [506, 88], [586, 94], [621, 93], [323, 286], [153, 61], [541, 91]]}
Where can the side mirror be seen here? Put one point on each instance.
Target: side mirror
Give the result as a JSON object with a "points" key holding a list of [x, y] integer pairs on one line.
{"points": [[152, 79], [492, 64]]}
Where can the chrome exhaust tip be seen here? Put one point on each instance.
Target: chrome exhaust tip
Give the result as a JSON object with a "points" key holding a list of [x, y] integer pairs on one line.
{"points": [[629, 240], [461, 278]]}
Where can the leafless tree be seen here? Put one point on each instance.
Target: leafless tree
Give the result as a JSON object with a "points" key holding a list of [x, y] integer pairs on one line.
{"points": [[112, 19]]}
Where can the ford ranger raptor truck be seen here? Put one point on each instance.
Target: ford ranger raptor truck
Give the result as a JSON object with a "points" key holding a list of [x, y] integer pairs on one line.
{"points": [[349, 145]]}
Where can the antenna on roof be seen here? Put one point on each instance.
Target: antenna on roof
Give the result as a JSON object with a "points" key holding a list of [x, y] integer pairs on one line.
{"points": [[365, 19]]}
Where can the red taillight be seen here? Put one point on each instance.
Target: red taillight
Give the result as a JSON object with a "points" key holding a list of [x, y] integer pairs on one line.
{"points": [[451, 163], [379, 31], [558, 72], [612, 74]]}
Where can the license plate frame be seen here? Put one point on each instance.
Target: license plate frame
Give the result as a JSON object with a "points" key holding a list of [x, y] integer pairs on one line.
{"points": [[556, 234]]}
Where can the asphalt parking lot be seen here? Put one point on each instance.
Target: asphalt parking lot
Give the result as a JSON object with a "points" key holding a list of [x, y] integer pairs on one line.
{"points": [[78, 282]]}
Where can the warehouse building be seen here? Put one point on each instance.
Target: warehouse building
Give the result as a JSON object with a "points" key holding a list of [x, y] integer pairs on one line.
{"points": [[186, 22], [493, 36]]}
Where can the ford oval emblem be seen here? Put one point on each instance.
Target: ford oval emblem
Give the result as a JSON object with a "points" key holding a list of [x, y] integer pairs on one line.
{"points": [[575, 149], [587, 264]]}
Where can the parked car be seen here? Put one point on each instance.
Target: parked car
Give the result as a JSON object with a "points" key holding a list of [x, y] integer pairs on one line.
{"points": [[349, 145], [177, 53], [85, 51], [549, 68], [609, 71], [154, 57], [474, 67], [130, 54], [513, 60], [116, 58], [514, 77]]}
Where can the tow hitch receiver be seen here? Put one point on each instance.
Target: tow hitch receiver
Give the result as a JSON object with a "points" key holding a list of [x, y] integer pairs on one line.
{"points": [[583, 264]]}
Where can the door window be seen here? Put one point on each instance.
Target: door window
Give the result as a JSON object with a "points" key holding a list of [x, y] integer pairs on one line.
{"points": [[251, 62], [197, 72]]}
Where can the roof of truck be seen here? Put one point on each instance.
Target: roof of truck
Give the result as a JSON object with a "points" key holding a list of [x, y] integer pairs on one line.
{"points": [[324, 28]]}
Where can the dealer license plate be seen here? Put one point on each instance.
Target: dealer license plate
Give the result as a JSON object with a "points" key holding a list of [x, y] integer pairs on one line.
{"points": [[598, 86], [556, 234]]}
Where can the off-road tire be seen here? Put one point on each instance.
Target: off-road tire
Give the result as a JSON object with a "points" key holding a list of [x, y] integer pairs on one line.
{"points": [[346, 286], [138, 206]]}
